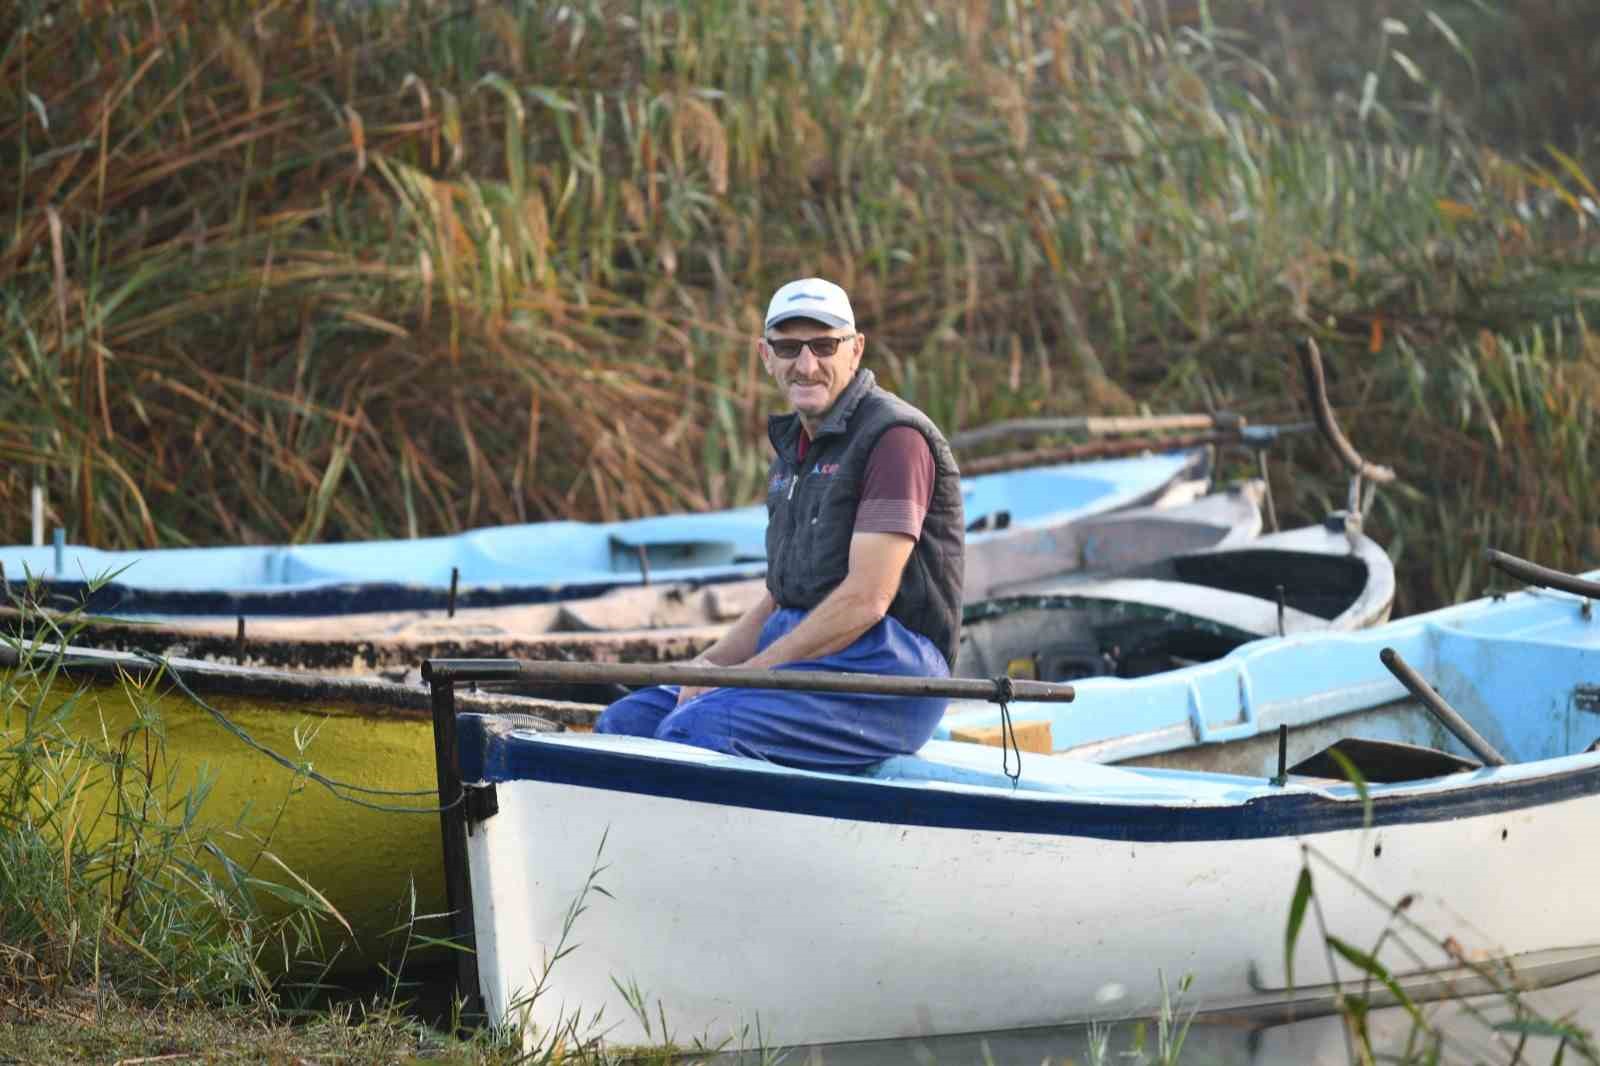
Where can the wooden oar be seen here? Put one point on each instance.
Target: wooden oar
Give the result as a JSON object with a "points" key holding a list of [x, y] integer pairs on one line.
{"points": [[1534, 574], [1447, 715], [1100, 449], [997, 690], [1252, 436], [1095, 426]]}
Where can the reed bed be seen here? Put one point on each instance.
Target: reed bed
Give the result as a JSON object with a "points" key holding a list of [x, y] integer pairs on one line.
{"points": [[296, 271]]}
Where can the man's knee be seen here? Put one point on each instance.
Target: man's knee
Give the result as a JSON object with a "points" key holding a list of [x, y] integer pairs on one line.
{"points": [[703, 722], [636, 715]]}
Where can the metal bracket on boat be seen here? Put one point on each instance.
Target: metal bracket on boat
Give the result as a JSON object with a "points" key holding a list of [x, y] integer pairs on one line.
{"points": [[1238, 730], [1258, 439], [1281, 778], [482, 803]]}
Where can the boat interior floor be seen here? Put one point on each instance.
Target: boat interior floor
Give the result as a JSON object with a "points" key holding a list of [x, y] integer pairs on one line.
{"points": [[1381, 761]]}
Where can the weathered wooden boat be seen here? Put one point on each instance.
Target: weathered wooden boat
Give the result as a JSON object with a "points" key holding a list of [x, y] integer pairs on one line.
{"points": [[370, 736], [546, 561], [937, 894], [1192, 606], [648, 623], [655, 623]]}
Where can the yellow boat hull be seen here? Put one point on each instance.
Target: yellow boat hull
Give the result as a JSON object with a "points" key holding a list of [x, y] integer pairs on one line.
{"points": [[363, 860]]}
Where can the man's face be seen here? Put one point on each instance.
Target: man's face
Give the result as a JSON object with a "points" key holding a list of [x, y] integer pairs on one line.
{"points": [[810, 382]]}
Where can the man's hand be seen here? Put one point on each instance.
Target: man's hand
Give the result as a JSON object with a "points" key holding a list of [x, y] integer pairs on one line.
{"points": [[687, 693]]}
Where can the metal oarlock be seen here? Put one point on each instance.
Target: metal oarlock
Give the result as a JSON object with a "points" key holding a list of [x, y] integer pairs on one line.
{"points": [[453, 831]]}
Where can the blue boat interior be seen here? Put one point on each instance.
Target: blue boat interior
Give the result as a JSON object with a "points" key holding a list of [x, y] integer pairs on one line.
{"points": [[1523, 670], [542, 551], [1042, 495]]}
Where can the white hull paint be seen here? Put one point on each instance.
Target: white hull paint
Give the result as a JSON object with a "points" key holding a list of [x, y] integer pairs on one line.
{"points": [[807, 929]]}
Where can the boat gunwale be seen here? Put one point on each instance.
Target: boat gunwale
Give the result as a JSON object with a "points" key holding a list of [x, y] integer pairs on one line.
{"points": [[364, 696], [495, 757]]}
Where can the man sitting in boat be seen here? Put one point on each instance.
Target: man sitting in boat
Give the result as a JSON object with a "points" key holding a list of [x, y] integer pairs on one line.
{"points": [[865, 537]]}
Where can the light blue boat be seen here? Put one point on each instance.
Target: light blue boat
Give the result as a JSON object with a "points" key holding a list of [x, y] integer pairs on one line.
{"points": [[741, 896], [545, 561], [1524, 669]]}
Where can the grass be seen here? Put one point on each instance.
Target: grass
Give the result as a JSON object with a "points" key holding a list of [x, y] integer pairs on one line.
{"points": [[1514, 1030], [111, 879]]}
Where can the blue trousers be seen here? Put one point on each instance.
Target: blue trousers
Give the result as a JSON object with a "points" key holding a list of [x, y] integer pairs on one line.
{"points": [[810, 730]]}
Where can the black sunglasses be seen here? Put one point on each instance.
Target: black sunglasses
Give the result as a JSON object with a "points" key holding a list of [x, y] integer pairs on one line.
{"points": [[821, 347]]}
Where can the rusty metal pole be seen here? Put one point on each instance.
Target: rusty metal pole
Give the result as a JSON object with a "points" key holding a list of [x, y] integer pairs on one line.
{"points": [[453, 830]]}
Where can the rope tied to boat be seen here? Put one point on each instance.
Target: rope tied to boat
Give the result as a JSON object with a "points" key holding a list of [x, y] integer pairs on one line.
{"points": [[303, 769], [1004, 693]]}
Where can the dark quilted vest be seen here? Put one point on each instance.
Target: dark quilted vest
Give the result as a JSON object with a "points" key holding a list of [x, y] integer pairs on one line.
{"points": [[811, 513]]}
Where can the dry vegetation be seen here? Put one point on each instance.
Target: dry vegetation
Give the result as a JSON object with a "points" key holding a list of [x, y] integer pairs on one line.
{"points": [[293, 271]]}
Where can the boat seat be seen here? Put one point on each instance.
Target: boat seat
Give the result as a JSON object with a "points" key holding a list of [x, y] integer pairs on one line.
{"points": [[1383, 761]]}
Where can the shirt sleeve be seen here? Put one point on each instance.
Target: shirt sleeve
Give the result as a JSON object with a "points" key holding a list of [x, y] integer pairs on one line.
{"points": [[898, 485]]}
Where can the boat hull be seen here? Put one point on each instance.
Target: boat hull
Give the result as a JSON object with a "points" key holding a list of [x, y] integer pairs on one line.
{"points": [[848, 912], [373, 738], [932, 895]]}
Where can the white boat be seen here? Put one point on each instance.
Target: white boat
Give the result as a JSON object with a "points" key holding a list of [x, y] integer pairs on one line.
{"points": [[934, 895], [1191, 605]]}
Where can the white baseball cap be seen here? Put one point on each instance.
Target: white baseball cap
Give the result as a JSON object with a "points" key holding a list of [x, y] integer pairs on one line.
{"points": [[811, 298]]}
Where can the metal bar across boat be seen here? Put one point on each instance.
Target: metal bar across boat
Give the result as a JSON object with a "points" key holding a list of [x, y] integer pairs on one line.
{"points": [[996, 690]]}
